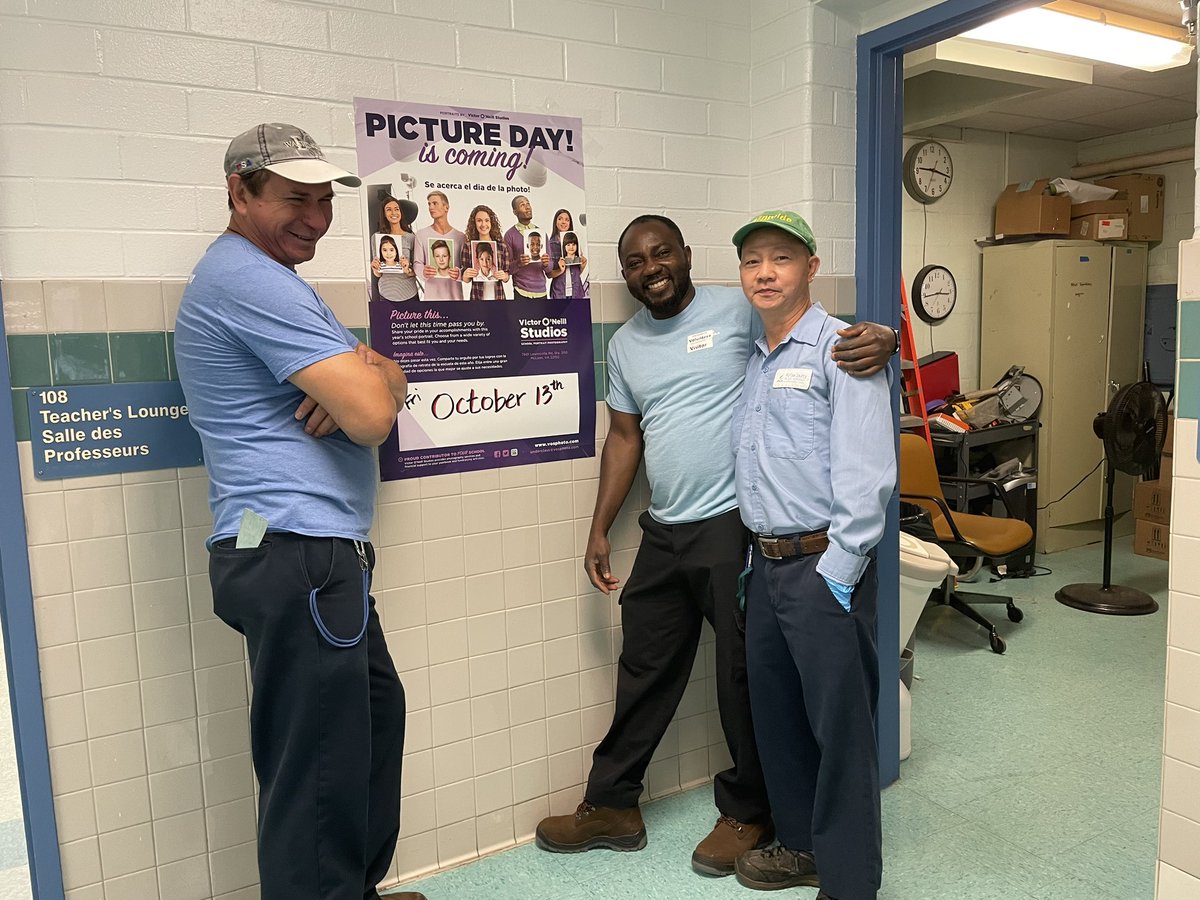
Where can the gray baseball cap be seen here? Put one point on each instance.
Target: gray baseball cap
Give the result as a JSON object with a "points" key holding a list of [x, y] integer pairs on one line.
{"points": [[285, 150]]}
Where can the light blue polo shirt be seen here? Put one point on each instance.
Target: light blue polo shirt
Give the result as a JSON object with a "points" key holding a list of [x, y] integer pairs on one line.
{"points": [[247, 323], [683, 376]]}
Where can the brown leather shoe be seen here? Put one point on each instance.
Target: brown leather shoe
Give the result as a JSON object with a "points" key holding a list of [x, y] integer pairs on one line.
{"points": [[592, 827], [776, 868], [728, 840]]}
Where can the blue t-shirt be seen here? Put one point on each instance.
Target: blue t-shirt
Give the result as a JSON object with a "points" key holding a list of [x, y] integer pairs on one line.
{"points": [[683, 376], [245, 325]]}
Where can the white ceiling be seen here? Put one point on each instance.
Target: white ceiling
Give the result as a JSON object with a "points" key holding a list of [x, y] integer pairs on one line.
{"points": [[1119, 100]]}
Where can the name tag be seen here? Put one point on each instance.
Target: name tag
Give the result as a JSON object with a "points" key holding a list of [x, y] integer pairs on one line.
{"points": [[799, 379], [701, 340]]}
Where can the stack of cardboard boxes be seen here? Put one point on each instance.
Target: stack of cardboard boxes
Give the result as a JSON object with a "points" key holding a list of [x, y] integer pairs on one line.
{"points": [[1134, 214], [1152, 505]]}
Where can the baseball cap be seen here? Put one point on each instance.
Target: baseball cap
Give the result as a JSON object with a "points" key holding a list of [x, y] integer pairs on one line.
{"points": [[285, 150], [783, 219]]}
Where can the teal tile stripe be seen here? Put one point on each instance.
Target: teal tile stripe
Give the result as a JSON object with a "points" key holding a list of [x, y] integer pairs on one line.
{"points": [[1187, 390], [1189, 329], [138, 356], [20, 403], [29, 359], [80, 358]]}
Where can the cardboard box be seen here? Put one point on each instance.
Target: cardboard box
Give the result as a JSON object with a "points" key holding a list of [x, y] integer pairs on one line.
{"points": [[1025, 208], [1100, 227], [1145, 193], [1152, 501], [1151, 539], [1117, 206], [1165, 466], [1169, 444]]}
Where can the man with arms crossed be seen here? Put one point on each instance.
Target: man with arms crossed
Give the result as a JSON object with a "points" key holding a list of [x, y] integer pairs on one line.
{"points": [[675, 371], [815, 467], [289, 405], [435, 287]]}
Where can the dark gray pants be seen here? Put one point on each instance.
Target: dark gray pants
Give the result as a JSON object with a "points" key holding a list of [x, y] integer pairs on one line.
{"points": [[326, 721], [814, 684], [683, 575]]}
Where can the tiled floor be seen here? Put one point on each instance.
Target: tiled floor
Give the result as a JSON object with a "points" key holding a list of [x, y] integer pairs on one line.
{"points": [[1033, 776]]}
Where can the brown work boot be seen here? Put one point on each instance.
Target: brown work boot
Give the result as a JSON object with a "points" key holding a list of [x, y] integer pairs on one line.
{"points": [[591, 827], [728, 840], [776, 868]]}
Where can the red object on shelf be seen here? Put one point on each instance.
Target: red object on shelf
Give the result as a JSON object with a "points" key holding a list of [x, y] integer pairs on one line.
{"points": [[939, 374]]}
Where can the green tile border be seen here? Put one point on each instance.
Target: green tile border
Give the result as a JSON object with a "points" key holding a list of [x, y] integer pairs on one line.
{"points": [[1189, 330], [29, 359], [81, 358], [138, 356], [1187, 390], [20, 402]]}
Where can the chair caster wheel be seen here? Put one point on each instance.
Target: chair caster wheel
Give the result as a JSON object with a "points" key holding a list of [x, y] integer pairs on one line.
{"points": [[1015, 614], [997, 642]]}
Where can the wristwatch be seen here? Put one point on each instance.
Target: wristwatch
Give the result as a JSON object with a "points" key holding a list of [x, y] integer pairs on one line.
{"points": [[896, 332]]}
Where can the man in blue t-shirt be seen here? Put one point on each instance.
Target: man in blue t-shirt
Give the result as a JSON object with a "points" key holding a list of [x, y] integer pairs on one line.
{"points": [[675, 372], [289, 405]]}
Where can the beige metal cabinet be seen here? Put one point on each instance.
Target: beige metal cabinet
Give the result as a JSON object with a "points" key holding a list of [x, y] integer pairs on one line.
{"points": [[1071, 313]]}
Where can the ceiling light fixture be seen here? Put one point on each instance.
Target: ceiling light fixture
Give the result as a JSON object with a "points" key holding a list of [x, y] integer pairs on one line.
{"points": [[1076, 29]]}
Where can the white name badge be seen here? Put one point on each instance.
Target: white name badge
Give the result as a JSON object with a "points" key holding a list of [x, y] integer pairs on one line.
{"points": [[701, 340], [799, 379]]}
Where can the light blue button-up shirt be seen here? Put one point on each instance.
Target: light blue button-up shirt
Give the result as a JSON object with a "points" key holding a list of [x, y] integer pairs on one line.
{"points": [[814, 446]]}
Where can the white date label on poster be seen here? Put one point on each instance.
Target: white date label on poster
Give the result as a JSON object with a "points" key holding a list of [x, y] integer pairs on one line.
{"points": [[483, 410]]}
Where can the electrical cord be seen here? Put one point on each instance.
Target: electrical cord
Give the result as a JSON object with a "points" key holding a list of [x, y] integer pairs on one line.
{"points": [[1045, 570], [1077, 484]]}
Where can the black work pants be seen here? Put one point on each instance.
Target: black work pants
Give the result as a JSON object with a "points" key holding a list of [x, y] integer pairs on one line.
{"points": [[814, 684], [683, 575], [326, 721]]}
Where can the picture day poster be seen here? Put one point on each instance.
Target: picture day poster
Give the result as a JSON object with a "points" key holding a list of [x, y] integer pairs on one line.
{"points": [[477, 274]]}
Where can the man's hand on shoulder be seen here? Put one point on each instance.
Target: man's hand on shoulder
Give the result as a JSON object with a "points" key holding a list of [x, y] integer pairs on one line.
{"points": [[864, 348]]}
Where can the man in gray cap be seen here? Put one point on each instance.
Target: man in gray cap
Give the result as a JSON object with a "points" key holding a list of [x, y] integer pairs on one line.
{"points": [[288, 405]]}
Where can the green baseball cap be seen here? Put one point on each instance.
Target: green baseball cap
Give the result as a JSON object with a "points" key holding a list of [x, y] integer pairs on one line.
{"points": [[783, 219]]}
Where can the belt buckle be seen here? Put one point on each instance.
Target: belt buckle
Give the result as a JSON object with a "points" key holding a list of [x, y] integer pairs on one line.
{"points": [[770, 548]]}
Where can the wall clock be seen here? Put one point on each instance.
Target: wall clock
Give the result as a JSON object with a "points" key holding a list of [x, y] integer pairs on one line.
{"points": [[928, 171], [934, 293]]}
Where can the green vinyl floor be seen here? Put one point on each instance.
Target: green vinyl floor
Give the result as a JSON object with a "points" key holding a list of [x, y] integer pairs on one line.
{"points": [[1033, 775]]}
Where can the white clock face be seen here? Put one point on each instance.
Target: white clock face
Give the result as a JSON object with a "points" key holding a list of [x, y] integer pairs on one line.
{"points": [[930, 171], [935, 293]]}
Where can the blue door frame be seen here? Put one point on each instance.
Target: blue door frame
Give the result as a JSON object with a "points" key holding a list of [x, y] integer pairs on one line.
{"points": [[880, 120], [21, 656]]}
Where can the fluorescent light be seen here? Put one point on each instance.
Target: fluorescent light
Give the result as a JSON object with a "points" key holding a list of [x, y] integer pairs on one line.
{"points": [[1090, 34]]}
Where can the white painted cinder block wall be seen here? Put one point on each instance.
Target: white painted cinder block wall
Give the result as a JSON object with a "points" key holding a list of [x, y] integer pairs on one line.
{"points": [[113, 121]]}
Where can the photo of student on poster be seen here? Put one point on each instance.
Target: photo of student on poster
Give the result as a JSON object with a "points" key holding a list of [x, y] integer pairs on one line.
{"points": [[481, 205]]}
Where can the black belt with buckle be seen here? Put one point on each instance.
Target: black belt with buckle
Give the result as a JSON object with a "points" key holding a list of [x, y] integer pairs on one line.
{"points": [[789, 545]]}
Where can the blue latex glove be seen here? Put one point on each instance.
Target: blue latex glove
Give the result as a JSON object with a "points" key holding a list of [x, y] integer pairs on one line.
{"points": [[841, 592]]}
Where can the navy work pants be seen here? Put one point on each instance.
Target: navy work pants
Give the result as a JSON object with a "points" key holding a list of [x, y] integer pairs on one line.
{"points": [[814, 684], [326, 721], [683, 575]]}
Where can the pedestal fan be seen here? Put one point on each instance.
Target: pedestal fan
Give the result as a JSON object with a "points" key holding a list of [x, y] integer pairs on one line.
{"points": [[1133, 430]]}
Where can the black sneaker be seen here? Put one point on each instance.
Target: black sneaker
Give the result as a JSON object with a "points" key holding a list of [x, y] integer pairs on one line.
{"points": [[776, 868]]}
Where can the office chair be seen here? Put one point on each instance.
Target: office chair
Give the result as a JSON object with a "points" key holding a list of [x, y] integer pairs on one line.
{"points": [[960, 534]]}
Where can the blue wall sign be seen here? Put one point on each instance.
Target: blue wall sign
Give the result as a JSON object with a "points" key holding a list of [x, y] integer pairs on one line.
{"points": [[99, 429]]}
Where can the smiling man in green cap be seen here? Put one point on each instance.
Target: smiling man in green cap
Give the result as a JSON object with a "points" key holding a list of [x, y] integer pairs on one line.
{"points": [[815, 466]]}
